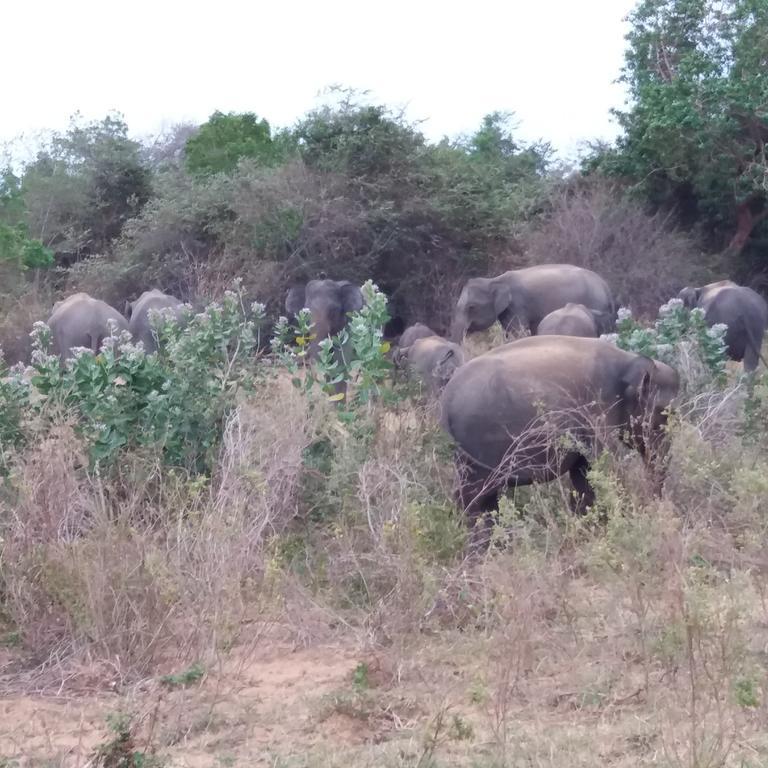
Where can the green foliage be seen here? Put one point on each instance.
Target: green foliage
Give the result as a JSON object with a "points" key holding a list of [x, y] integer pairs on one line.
{"points": [[755, 425], [694, 135], [176, 400], [746, 692], [14, 399], [356, 355], [675, 328], [17, 248], [120, 751], [225, 139], [84, 185], [189, 676], [360, 679], [363, 141]]}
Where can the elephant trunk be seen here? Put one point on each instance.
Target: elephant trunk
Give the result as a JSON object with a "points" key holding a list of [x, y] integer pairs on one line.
{"points": [[459, 327]]}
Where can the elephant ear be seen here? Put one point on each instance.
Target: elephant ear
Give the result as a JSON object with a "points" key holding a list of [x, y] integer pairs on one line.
{"points": [[446, 366], [690, 296], [501, 292], [640, 381], [400, 356], [351, 297], [295, 300]]}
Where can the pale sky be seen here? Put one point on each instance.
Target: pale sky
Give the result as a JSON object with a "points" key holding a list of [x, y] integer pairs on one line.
{"points": [[551, 62]]}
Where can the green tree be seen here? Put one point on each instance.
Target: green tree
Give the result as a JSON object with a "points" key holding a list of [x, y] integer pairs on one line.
{"points": [[16, 247], [220, 143], [696, 131], [22, 251], [84, 184], [358, 139]]}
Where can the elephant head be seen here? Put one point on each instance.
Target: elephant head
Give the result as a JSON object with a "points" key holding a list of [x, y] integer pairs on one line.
{"points": [[483, 300], [329, 302], [689, 297], [649, 388]]}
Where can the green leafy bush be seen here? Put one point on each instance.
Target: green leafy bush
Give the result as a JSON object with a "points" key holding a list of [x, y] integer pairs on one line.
{"points": [[175, 400], [678, 332], [355, 356]]}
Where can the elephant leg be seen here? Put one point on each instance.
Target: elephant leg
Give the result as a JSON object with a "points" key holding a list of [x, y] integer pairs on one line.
{"points": [[751, 357], [478, 496], [583, 496]]}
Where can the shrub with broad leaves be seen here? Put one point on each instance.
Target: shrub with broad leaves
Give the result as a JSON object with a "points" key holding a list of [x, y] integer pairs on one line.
{"points": [[678, 335]]}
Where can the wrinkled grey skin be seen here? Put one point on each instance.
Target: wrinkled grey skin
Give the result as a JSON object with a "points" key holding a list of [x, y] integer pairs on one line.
{"points": [[432, 359], [329, 301], [82, 321], [137, 313], [744, 312], [509, 409], [523, 297], [413, 332], [573, 320]]}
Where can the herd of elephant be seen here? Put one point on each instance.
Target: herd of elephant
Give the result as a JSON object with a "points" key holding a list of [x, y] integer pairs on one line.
{"points": [[526, 411]]}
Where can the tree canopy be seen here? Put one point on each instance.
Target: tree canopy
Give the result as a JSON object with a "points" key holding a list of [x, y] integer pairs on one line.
{"points": [[695, 133], [225, 139]]}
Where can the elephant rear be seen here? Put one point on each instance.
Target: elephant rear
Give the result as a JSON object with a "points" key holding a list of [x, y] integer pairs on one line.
{"points": [[570, 320], [745, 313], [82, 321], [140, 324]]}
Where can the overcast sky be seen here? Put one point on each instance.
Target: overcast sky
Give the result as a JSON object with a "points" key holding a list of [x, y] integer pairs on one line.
{"points": [[552, 62]]}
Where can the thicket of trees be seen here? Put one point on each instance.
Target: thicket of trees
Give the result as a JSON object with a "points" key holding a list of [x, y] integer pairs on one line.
{"points": [[694, 137], [356, 191]]}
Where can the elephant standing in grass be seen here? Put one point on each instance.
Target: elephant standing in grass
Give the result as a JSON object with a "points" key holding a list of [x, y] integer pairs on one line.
{"points": [[744, 312], [529, 410], [574, 320], [138, 311], [329, 302], [432, 359], [82, 321], [523, 297]]}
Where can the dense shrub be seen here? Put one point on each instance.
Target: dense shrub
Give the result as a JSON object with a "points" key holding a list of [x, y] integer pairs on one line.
{"points": [[681, 338], [354, 191], [598, 225]]}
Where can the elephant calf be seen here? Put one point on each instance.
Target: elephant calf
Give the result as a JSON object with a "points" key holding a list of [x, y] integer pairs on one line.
{"points": [[509, 410], [82, 321], [574, 320], [740, 308], [432, 359], [138, 311], [413, 332]]}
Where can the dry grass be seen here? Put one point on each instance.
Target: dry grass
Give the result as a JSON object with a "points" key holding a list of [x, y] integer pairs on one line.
{"points": [[158, 568], [319, 581]]}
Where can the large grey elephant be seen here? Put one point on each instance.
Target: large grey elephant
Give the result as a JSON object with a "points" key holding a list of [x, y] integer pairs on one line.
{"points": [[329, 302], [432, 359], [510, 412], [137, 313], [740, 308], [574, 320], [82, 321], [523, 297]]}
